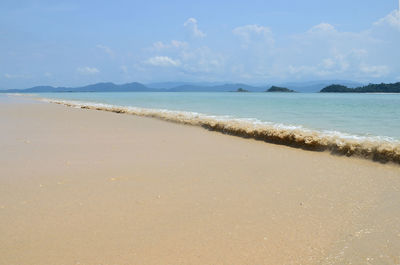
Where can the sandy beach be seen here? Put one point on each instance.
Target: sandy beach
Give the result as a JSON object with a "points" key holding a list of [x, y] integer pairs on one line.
{"points": [[81, 186]]}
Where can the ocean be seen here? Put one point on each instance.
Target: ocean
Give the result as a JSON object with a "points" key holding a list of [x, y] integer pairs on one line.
{"points": [[363, 124]]}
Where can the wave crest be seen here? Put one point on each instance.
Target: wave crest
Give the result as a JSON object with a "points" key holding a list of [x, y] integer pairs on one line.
{"points": [[374, 148]]}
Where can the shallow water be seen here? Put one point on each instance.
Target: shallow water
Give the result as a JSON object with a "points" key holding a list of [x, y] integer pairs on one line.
{"points": [[361, 125], [376, 115]]}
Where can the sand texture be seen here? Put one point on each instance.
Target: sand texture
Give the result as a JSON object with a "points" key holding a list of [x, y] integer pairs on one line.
{"points": [[81, 186]]}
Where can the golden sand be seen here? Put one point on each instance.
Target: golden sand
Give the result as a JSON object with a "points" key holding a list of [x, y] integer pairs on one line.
{"points": [[81, 186]]}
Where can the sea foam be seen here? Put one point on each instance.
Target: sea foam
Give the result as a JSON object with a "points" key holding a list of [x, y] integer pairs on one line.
{"points": [[383, 149]]}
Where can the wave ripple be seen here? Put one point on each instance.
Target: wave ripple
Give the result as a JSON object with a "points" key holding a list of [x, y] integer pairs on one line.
{"points": [[380, 149]]}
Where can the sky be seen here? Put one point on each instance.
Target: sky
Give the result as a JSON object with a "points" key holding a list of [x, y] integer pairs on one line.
{"points": [[73, 43]]}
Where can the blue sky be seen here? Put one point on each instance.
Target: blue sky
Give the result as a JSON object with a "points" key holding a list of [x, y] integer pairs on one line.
{"points": [[72, 43]]}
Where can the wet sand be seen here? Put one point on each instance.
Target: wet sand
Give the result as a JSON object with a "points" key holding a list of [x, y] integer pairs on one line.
{"points": [[82, 186]]}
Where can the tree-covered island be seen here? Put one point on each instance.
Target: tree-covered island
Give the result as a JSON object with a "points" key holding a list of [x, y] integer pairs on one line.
{"points": [[279, 89], [371, 88]]}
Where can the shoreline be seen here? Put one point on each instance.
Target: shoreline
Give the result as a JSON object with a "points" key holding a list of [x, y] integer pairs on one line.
{"points": [[370, 148], [87, 187]]}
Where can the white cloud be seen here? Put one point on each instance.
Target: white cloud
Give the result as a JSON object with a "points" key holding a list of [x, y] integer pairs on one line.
{"points": [[191, 24], [106, 49], [174, 44], [392, 19], [254, 33], [332, 66], [247, 30], [88, 70], [48, 74], [359, 53], [162, 61], [375, 71], [179, 44], [338, 64], [202, 60], [184, 59], [322, 27], [323, 51], [328, 63], [349, 66]]}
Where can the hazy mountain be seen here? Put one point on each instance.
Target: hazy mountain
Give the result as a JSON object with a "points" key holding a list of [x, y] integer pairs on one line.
{"points": [[111, 87], [99, 87], [305, 87], [36, 89], [312, 86], [316, 86], [217, 88], [168, 85]]}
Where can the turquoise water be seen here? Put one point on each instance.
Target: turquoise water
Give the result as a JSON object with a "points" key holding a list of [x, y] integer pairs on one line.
{"points": [[352, 114]]}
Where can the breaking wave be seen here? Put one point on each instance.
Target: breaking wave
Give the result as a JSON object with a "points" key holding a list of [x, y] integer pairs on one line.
{"points": [[382, 149]]}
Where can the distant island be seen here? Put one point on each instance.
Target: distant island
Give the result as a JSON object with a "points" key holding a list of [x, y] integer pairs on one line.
{"points": [[241, 90], [279, 89], [229, 87], [307, 87], [371, 88]]}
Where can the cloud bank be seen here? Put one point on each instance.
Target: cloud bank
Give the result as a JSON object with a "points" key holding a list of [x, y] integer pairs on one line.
{"points": [[243, 53], [322, 51]]}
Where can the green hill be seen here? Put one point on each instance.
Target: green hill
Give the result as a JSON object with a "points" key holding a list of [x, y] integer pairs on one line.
{"points": [[371, 88], [279, 89]]}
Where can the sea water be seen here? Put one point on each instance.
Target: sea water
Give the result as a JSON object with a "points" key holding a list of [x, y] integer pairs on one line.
{"points": [[375, 115], [366, 125]]}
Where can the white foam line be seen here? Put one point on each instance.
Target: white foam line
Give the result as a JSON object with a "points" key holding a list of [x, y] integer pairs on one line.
{"points": [[375, 147]]}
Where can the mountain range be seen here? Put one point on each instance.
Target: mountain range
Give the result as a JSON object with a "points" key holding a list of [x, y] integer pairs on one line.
{"points": [[307, 87]]}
